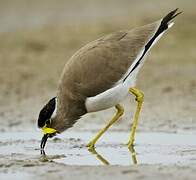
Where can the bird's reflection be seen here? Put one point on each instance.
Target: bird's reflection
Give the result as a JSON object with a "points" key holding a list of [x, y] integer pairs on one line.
{"points": [[98, 156], [106, 162], [44, 157], [133, 154]]}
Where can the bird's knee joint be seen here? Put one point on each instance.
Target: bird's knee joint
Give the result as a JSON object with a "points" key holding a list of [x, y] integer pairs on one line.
{"points": [[140, 97], [139, 94], [120, 110]]}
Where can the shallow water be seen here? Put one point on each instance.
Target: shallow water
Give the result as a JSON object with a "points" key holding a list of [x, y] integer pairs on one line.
{"points": [[69, 148], [15, 176]]}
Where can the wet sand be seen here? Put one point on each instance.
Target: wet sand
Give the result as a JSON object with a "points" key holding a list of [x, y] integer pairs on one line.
{"points": [[150, 148], [154, 151], [38, 39]]}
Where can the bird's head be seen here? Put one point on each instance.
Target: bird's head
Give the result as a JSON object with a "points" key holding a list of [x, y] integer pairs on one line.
{"points": [[46, 116]]}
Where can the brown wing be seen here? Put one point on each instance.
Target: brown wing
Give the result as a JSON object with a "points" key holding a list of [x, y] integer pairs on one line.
{"points": [[100, 64]]}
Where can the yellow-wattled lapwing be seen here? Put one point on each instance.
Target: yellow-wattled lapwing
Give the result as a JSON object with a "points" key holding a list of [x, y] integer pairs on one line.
{"points": [[99, 76]]}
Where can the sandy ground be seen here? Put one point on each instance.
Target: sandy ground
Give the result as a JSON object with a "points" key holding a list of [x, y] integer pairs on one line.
{"points": [[38, 38]]}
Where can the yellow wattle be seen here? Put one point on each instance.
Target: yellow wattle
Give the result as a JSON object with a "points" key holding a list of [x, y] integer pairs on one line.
{"points": [[47, 130]]}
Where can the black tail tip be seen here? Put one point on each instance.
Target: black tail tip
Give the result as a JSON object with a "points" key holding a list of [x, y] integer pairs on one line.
{"points": [[170, 16], [175, 13]]}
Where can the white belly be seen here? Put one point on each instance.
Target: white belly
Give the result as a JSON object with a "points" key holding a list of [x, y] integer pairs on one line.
{"points": [[106, 99]]}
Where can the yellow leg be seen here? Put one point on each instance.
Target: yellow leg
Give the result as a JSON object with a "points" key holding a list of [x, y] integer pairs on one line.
{"points": [[139, 98], [120, 111]]}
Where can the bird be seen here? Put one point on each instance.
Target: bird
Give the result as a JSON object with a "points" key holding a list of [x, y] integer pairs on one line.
{"points": [[99, 76]]}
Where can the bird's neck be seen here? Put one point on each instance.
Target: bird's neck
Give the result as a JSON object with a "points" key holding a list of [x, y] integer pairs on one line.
{"points": [[68, 111]]}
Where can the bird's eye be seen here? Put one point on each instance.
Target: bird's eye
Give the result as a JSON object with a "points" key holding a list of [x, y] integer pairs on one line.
{"points": [[48, 122], [46, 113]]}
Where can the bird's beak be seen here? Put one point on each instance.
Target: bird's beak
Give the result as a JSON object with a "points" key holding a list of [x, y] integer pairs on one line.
{"points": [[43, 143], [48, 132]]}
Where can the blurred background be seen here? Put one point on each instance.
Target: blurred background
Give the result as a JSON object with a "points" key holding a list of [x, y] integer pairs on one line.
{"points": [[38, 37]]}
